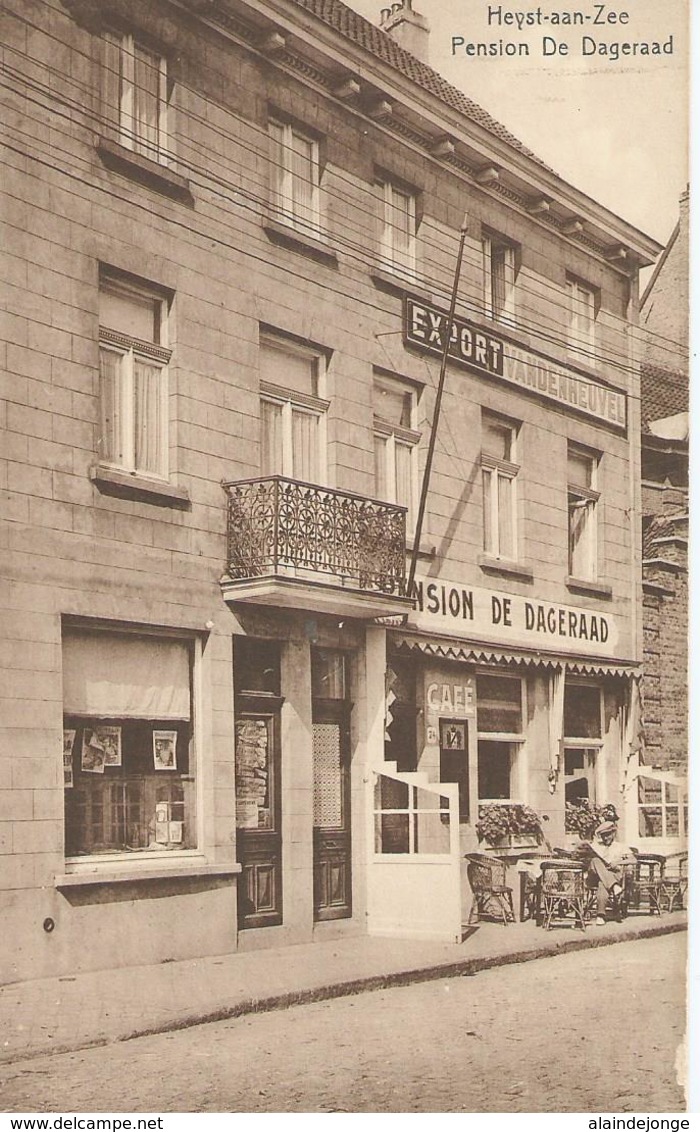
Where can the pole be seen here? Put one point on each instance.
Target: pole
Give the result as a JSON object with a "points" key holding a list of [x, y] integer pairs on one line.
{"points": [[436, 416]]}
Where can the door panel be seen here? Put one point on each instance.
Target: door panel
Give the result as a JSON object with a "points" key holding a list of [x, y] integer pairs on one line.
{"points": [[332, 844], [258, 815]]}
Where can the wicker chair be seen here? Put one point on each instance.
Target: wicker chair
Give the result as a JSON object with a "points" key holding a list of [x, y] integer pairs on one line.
{"points": [[492, 896], [563, 892], [674, 883], [647, 885]]}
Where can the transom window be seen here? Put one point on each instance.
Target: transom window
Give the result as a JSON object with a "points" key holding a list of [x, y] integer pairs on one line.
{"points": [[396, 443], [499, 473], [292, 413], [398, 238], [499, 278], [295, 176], [582, 309], [133, 378], [135, 95], [128, 743], [583, 499]]}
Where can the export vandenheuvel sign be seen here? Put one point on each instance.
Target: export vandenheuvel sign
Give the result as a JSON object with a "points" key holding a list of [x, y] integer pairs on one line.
{"points": [[473, 346]]}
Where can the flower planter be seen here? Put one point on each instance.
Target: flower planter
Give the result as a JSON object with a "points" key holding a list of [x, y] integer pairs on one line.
{"points": [[515, 841]]}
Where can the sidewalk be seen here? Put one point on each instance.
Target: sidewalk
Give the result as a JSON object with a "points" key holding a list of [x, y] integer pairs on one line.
{"points": [[70, 1012]]}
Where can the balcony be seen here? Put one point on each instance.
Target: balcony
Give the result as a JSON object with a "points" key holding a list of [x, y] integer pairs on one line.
{"points": [[300, 546]]}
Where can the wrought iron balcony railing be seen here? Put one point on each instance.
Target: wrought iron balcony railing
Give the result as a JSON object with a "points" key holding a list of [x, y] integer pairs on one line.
{"points": [[279, 526]]}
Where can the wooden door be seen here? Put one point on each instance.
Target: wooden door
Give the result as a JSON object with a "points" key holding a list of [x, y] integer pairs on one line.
{"points": [[332, 844], [258, 813]]}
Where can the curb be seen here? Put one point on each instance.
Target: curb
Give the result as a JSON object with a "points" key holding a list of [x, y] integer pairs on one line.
{"points": [[463, 968]]}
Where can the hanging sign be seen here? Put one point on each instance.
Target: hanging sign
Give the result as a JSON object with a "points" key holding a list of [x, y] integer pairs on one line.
{"points": [[476, 348]]}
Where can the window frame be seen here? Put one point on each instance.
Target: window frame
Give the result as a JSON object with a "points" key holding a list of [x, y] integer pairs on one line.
{"points": [[291, 402], [130, 350], [391, 260], [491, 244], [515, 739], [586, 497], [583, 302], [125, 45], [680, 806], [497, 469], [393, 435], [282, 177], [77, 863]]}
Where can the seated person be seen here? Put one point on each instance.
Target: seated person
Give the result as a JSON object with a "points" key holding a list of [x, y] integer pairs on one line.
{"points": [[605, 865]]}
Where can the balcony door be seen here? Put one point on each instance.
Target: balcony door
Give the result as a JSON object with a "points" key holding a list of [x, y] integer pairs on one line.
{"points": [[331, 786]]}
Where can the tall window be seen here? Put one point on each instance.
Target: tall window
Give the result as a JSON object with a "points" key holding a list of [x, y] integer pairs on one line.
{"points": [[582, 503], [395, 444], [292, 411], [398, 240], [295, 176], [499, 720], [135, 96], [583, 730], [133, 378], [499, 278], [582, 303], [499, 473], [128, 750]]}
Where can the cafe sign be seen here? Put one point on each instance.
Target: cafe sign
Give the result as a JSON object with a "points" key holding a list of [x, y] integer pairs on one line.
{"points": [[476, 348], [489, 616]]}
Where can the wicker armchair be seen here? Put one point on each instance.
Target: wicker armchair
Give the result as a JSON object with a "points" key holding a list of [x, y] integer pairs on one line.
{"points": [[492, 896], [564, 893], [674, 883], [647, 885]]}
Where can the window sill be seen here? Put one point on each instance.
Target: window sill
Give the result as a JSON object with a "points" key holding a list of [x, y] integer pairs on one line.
{"points": [[288, 237], [112, 874], [425, 550], [122, 160], [507, 569], [595, 589], [396, 284], [129, 485]]}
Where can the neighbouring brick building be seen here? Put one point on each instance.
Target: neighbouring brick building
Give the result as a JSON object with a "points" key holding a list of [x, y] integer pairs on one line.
{"points": [[664, 314], [229, 236]]}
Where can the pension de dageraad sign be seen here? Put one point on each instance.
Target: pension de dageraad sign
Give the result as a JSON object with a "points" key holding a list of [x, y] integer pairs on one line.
{"points": [[476, 348], [475, 613]]}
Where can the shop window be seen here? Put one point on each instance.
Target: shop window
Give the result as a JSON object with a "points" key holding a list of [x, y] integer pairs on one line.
{"points": [[409, 819], [295, 176], [135, 96], [292, 411], [660, 808], [499, 473], [128, 744], [500, 259], [133, 378], [583, 302], [580, 765], [495, 764], [499, 720], [398, 236], [396, 444], [582, 473]]}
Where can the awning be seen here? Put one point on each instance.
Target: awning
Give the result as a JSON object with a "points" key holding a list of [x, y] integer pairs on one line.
{"points": [[474, 653]]}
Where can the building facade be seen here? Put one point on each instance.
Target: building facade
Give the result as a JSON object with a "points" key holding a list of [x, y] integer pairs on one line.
{"points": [[662, 793], [230, 233]]}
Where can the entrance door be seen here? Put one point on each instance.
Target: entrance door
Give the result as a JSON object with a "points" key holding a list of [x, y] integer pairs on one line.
{"points": [[331, 760]]}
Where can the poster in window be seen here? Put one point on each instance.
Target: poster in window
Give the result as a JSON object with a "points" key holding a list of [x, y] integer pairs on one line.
{"points": [[252, 801], [92, 759], [111, 740], [68, 741], [165, 750], [453, 736]]}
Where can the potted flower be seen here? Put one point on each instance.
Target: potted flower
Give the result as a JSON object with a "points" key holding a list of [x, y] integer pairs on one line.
{"points": [[508, 824], [583, 817]]}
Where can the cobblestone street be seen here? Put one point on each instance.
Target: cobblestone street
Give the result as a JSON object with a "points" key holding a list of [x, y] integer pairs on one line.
{"points": [[595, 1031]]}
